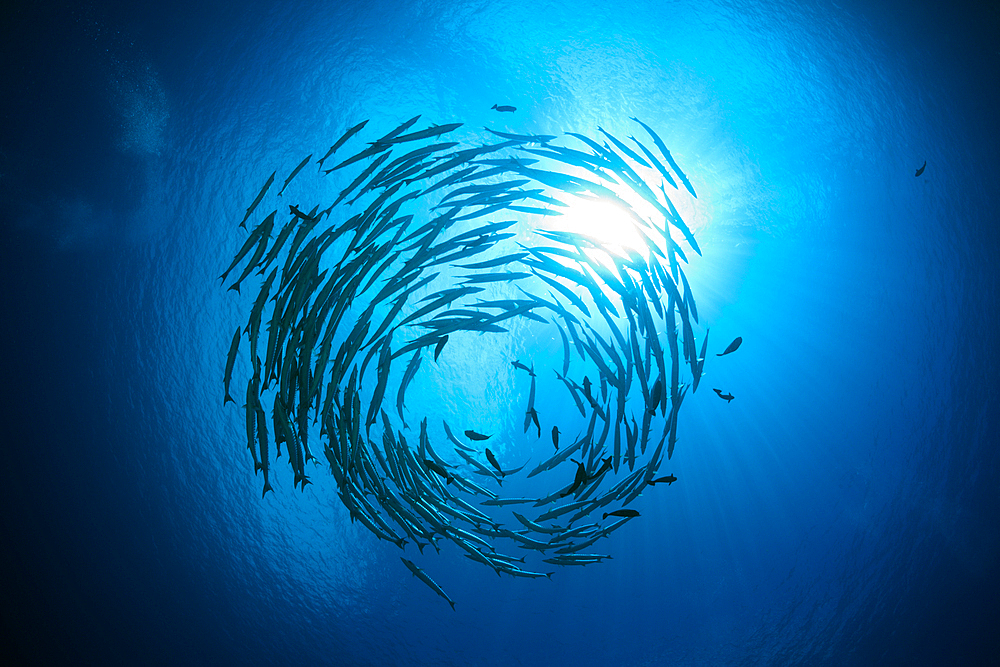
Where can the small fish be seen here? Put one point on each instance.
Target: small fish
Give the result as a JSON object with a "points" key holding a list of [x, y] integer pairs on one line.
{"points": [[725, 397], [294, 173], [605, 466], [580, 479], [510, 109], [919, 171], [263, 190], [340, 142], [493, 460], [555, 436], [420, 574], [655, 396], [735, 345], [439, 469], [472, 435], [299, 214], [623, 513], [534, 418], [517, 364], [669, 479], [586, 389], [230, 361], [439, 347]]}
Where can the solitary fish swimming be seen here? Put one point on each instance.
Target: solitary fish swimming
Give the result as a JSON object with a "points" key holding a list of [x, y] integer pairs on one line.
{"points": [[726, 397], [669, 479], [625, 513], [472, 435], [735, 345], [422, 576], [504, 107], [921, 170]]}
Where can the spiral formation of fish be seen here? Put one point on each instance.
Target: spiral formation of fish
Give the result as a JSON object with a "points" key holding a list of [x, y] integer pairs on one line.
{"points": [[437, 245]]}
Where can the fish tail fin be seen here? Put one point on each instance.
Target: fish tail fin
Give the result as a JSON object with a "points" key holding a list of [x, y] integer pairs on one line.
{"points": [[235, 286], [267, 487], [605, 516], [227, 399], [549, 575], [493, 107], [452, 605]]}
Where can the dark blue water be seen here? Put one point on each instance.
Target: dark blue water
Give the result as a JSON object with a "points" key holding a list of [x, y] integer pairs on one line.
{"points": [[840, 511]]}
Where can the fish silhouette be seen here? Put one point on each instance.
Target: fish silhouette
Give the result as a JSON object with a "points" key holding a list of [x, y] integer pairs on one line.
{"points": [[735, 345], [726, 397]]}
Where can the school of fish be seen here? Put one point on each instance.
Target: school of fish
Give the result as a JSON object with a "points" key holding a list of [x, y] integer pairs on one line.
{"points": [[428, 242]]}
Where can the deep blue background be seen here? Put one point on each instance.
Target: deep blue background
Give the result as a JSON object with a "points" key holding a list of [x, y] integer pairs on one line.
{"points": [[843, 510]]}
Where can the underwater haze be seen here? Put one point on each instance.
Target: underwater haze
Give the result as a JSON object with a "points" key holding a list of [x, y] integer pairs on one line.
{"points": [[839, 509]]}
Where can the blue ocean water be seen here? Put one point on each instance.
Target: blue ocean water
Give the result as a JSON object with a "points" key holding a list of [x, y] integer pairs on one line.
{"points": [[840, 511]]}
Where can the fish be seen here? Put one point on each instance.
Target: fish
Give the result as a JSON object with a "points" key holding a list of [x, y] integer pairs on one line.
{"points": [[726, 397], [230, 362], [299, 214], [586, 389], [655, 396], [260, 233], [472, 435], [517, 364], [527, 138], [669, 479], [921, 170], [666, 154], [534, 417], [403, 127], [262, 437], [735, 345], [504, 108], [434, 131], [624, 149], [260, 195], [605, 466], [411, 371], [625, 513], [578, 480], [422, 576], [493, 461], [439, 347], [439, 469], [343, 139], [555, 436], [295, 172], [699, 365]]}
